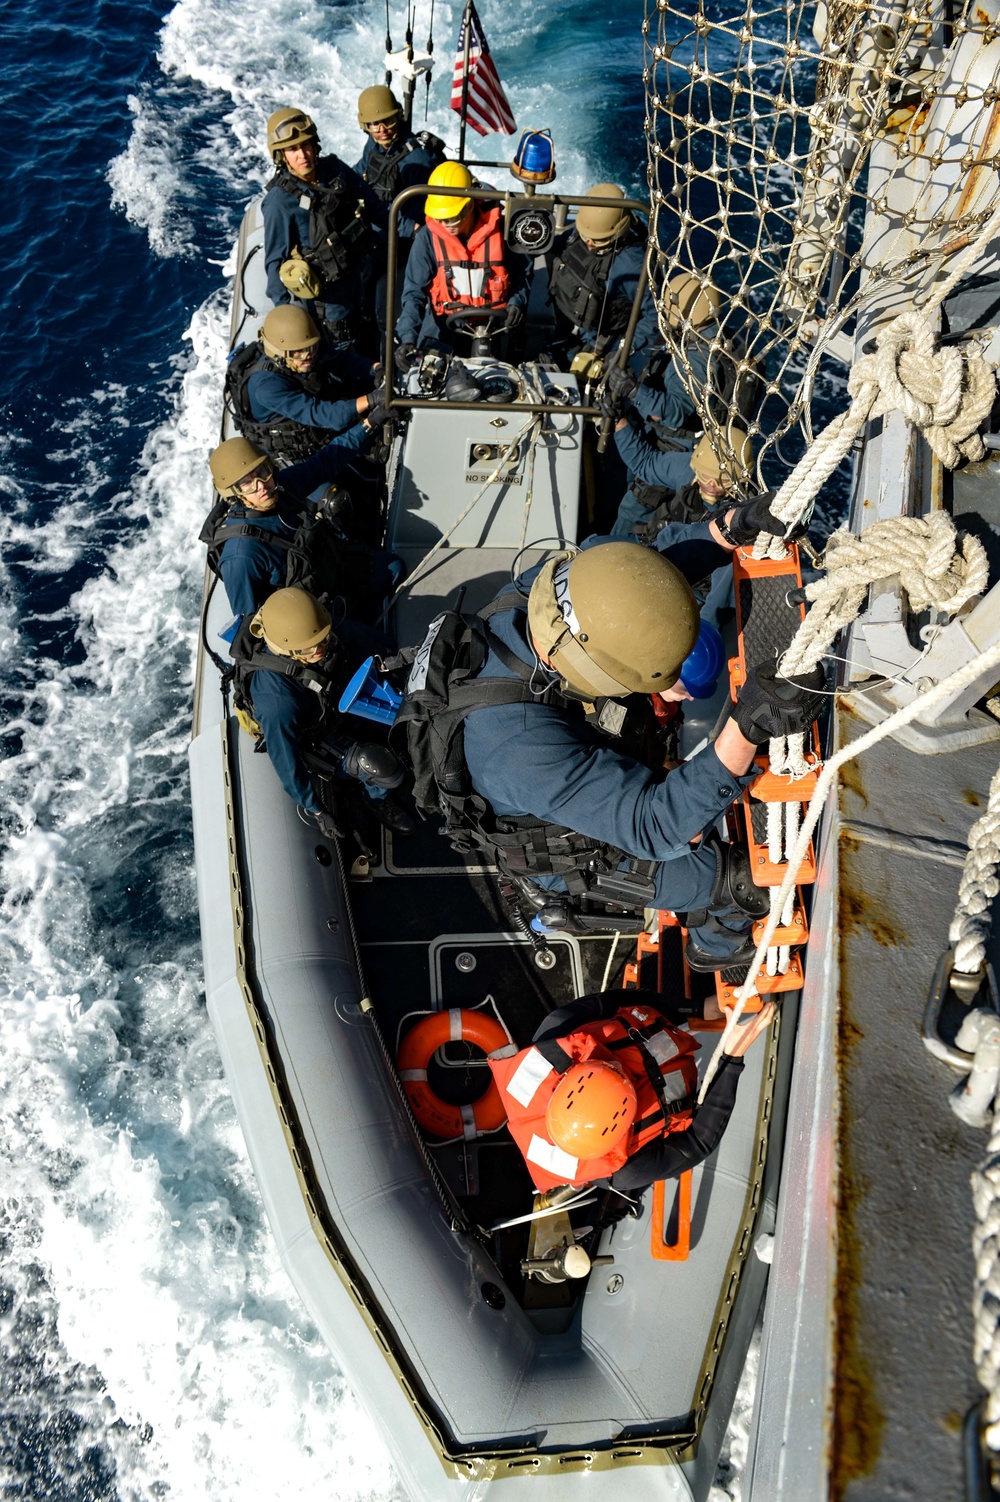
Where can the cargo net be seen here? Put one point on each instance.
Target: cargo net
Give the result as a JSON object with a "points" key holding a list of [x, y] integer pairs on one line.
{"points": [[761, 126]]}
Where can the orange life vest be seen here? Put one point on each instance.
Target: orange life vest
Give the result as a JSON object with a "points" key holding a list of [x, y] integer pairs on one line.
{"points": [[646, 1047], [470, 274]]}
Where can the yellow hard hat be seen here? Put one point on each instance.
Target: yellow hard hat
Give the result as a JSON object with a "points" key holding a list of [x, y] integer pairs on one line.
{"points": [[591, 1109], [287, 327], [613, 619], [231, 462], [692, 299], [602, 225], [447, 175], [736, 460], [289, 127], [291, 620]]}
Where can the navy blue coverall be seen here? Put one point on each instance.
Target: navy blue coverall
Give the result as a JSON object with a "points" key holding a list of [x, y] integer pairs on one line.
{"points": [[539, 760], [286, 225], [250, 569], [280, 393]]}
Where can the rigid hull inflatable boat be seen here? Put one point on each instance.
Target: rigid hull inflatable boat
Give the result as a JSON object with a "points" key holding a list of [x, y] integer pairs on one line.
{"points": [[409, 1250]]}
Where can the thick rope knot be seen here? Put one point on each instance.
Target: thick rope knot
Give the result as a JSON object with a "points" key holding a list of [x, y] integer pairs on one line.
{"points": [[946, 391], [937, 571]]}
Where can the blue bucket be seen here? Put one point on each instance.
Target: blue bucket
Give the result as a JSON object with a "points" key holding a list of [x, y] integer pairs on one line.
{"points": [[701, 669], [368, 696]]}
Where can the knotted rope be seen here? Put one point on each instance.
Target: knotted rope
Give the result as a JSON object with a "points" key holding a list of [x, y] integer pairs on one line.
{"points": [[947, 392], [971, 925]]}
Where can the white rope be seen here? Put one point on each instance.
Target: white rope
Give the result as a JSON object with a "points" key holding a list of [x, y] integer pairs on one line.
{"points": [[947, 392], [986, 1290], [933, 696], [971, 1099], [921, 551], [970, 927]]}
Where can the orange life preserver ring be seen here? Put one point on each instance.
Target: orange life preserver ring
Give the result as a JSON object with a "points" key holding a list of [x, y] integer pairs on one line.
{"points": [[434, 1114]]}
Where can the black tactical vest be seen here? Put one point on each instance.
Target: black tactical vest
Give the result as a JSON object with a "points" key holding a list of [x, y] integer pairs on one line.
{"points": [[442, 688], [299, 547], [578, 286], [338, 233], [285, 441], [382, 169]]}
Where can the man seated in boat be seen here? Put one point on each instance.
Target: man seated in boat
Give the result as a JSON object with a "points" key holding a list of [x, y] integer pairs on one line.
{"points": [[596, 267], [395, 158], [684, 486], [607, 1090], [458, 266], [322, 231], [290, 392], [528, 727], [289, 672], [266, 533]]}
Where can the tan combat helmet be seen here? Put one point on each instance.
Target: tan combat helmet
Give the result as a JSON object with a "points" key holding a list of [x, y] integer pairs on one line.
{"points": [[602, 225], [377, 103], [614, 619], [231, 462], [290, 621], [289, 127], [692, 299], [737, 460], [287, 328]]}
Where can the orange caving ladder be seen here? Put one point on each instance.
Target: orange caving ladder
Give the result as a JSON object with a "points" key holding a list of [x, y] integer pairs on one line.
{"points": [[766, 621]]}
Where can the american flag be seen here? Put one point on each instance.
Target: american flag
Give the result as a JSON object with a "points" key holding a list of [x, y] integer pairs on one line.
{"points": [[486, 107]]}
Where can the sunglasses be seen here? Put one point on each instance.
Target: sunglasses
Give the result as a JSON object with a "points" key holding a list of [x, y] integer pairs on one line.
{"points": [[303, 652]]}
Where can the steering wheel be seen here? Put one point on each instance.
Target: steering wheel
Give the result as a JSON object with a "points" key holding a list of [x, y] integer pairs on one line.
{"points": [[478, 323]]}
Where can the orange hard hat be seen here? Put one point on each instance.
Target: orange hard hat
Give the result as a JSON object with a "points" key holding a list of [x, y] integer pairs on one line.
{"points": [[591, 1109]]}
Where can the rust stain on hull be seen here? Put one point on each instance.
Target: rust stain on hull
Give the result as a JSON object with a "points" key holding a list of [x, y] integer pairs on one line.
{"points": [[858, 1420]]}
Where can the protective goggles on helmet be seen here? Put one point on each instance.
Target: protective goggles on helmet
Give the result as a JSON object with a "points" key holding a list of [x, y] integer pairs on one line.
{"points": [[299, 125], [260, 475]]}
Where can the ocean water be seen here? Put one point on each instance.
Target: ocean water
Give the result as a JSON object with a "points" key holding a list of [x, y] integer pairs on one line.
{"points": [[150, 1343]]}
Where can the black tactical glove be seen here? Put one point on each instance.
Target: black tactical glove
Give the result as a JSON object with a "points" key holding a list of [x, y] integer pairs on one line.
{"points": [[621, 383], [514, 316], [755, 515], [328, 826], [768, 705], [375, 398], [379, 416], [407, 356], [613, 407]]}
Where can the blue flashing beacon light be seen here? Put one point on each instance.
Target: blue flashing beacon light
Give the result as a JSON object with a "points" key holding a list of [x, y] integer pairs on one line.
{"points": [[534, 160]]}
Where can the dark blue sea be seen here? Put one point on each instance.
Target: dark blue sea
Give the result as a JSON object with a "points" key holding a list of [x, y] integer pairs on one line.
{"points": [[150, 1343]]}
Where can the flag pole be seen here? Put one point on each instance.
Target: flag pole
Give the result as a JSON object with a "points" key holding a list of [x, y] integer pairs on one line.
{"points": [[465, 82]]}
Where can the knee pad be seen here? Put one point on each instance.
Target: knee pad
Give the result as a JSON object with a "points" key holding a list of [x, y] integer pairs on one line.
{"points": [[373, 763], [734, 885]]}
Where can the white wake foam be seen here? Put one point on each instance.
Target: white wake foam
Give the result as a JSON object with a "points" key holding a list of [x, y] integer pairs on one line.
{"points": [[226, 64], [133, 1242]]}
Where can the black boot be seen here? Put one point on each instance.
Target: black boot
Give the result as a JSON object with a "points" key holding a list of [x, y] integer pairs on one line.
{"points": [[392, 816]]}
